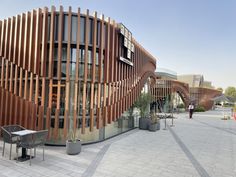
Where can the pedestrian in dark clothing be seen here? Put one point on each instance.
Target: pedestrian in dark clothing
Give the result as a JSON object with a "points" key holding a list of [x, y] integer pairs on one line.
{"points": [[191, 108]]}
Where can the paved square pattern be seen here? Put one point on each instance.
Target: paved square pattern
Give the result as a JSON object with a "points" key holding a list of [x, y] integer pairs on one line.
{"points": [[203, 146]]}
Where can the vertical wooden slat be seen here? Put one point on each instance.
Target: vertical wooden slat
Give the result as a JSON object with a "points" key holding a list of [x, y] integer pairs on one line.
{"points": [[11, 39], [66, 116], [115, 72], [26, 40], [106, 96], [16, 39], [37, 25], [44, 32], [29, 119], [85, 71], [6, 50], [21, 37], [44, 42], [11, 70], [50, 69], [60, 30], [1, 105], [77, 97], [59, 56], [25, 65], [20, 64], [3, 37], [93, 71], [3, 96], [32, 42], [43, 66], [99, 121], [111, 80], [51, 46]]}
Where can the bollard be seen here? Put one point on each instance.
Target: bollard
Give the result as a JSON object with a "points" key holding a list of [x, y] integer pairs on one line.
{"points": [[172, 121], [165, 123]]}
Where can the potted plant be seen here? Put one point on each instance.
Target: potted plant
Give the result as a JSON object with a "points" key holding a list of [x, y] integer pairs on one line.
{"points": [[154, 123], [73, 144], [142, 103], [131, 117]]}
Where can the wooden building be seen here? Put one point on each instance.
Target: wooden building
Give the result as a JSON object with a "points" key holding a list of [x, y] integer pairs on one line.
{"points": [[69, 71]]}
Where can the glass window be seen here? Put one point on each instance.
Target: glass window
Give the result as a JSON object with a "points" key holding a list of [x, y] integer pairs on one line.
{"points": [[64, 54], [81, 70], [63, 69], [89, 57], [71, 100], [49, 27], [73, 55], [55, 54], [90, 31], [56, 27], [54, 99], [95, 98], [104, 35], [73, 62], [89, 71], [96, 73], [102, 89], [80, 99], [74, 25], [97, 57], [55, 69], [81, 55], [82, 30], [88, 95], [102, 69], [62, 98], [98, 33], [65, 28]]}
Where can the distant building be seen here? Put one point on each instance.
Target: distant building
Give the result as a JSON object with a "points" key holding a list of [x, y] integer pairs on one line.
{"points": [[201, 91], [190, 88], [195, 80], [163, 73]]}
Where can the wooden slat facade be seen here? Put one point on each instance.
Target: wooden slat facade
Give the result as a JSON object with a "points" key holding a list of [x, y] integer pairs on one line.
{"points": [[60, 70]]}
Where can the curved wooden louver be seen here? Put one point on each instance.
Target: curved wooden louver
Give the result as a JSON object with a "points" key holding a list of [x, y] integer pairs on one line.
{"points": [[45, 75]]}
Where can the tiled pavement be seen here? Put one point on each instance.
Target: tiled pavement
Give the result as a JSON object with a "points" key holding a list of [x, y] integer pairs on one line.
{"points": [[203, 146]]}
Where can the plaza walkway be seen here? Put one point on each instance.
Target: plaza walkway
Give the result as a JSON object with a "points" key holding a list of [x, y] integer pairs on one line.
{"points": [[203, 146]]}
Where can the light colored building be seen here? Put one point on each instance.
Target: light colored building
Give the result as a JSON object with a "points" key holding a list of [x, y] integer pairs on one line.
{"points": [[194, 80], [166, 74]]}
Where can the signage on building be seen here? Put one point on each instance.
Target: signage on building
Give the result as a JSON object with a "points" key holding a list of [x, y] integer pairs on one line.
{"points": [[127, 45]]}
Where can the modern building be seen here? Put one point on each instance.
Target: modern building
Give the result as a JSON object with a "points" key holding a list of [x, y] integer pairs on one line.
{"points": [[70, 71], [190, 88], [166, 74], [201, 92], [168, 92]]}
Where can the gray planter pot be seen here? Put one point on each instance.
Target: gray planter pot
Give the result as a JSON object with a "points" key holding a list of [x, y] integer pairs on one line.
{"points": [[73, 148], [131, 122], [144, 123], [154, 127]]}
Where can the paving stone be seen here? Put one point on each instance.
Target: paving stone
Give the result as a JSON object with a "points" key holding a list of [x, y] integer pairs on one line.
{"points": [[203, 146]]}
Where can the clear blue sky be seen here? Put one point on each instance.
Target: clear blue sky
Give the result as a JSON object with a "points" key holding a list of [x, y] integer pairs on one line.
{"points": [[187, 36]]}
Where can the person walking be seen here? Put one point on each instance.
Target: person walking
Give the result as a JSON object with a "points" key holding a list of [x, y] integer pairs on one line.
{"points": [[191, 108]]}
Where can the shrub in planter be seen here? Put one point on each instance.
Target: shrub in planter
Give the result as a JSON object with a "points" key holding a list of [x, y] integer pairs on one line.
{"points": [[199, 109], [144, 123], [154, 123], [73, 144]]}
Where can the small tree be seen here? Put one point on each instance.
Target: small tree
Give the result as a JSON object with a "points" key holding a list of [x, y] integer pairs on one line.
{"points": [[220, 89], [142, 103], [131, 110], [231, 92]]}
